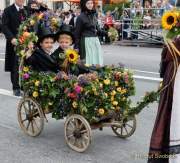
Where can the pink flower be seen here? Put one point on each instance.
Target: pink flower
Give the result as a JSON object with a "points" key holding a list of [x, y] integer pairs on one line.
{"points": [[77, 89], [26, 76]]}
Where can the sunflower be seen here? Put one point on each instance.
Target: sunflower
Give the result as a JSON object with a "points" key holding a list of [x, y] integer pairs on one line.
{"points": [[101, 111], [35, 94], [25, 69], [169, 20], [37, 82], [75, 104], [72, 55]]}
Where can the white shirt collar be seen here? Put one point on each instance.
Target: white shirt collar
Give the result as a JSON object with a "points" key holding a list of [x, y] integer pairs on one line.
{"points": [[17, 7]]}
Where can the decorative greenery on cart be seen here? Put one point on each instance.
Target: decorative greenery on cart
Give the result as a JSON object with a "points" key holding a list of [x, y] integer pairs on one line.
{"points": [[91, 95]]}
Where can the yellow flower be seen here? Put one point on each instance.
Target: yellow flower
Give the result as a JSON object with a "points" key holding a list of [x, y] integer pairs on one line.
{"points": [[50, 103], [124, 98], [113, 93], [100, 85], [26, 69], [119, 89], [116, 83], [75, 104], [37, 82], [25, 28], [123, 91], [35, 94], [32, 22], [94, 89], [169, 19], [72, 55], [107, 82], [112, 98], [117, 108], [115, 103], [95, 93], [113, 108], [106, 95], [101, 111]]}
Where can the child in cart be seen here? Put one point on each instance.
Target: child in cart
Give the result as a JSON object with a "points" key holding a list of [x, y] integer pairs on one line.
{"points": [[65, 39], [40, 59]]}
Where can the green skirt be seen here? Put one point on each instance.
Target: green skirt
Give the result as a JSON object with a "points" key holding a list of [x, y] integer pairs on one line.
{"points": [[91, 50]]}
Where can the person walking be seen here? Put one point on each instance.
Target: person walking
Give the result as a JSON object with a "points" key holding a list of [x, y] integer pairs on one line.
{"points": [[12, 17], [86, 34]]}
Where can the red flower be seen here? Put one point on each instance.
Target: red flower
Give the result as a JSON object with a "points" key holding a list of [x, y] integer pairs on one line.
{"points": [[72, 95]]}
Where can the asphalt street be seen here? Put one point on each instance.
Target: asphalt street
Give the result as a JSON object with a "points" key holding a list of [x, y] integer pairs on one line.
{"points": [[50, 147]]}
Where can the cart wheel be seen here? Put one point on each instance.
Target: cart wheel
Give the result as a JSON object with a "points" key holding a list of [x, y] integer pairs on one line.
{"points": [[30, 117], [127, 129], [77, 133]]}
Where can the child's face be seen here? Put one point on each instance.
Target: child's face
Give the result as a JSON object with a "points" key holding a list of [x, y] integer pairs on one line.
{"points": [[47, 44], [65, 41]]}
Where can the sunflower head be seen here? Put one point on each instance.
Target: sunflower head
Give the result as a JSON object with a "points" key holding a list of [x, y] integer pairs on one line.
{"points": [[72, 55], [169, 20]]}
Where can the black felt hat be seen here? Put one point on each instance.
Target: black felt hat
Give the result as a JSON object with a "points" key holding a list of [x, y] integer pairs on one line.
{"points": [[65, 29], [44, 32]]}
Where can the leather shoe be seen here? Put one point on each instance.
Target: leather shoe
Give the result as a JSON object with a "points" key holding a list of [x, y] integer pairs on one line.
{"points": [[17, 92]]}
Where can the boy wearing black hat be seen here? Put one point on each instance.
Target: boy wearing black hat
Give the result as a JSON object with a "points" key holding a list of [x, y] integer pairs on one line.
{"points": [[65, 38], [40, 59]]}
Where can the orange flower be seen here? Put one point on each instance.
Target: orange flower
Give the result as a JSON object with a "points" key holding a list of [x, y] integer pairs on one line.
{"points": [[21, 40], [26, 35]]}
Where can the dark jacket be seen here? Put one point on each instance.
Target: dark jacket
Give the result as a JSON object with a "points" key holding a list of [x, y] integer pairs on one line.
{"points": [[10, 23], [55, 55], [86, 26], [41, 61]]}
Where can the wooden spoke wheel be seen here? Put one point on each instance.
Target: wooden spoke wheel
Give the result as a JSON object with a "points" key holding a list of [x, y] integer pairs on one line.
{"points": [[30, 117], [127, 129], [77, 133]]}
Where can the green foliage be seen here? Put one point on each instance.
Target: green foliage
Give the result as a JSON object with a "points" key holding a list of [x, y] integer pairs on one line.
{"points": [[111, 7]]}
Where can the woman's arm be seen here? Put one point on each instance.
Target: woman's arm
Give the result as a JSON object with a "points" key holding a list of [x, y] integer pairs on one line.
{"points": [[77, 33]]}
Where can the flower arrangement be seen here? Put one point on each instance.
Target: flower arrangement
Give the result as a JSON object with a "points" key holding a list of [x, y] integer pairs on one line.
{"points": [[171, 23], [92, 95], [113, 34], [68, 60], [27, 30], [96, 94]]}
